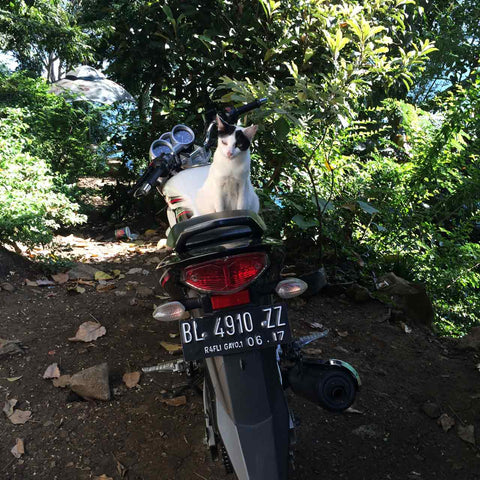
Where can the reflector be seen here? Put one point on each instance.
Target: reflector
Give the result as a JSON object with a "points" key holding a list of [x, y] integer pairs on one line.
{"points": [[168, 312], [290, 287], [226, 275]]}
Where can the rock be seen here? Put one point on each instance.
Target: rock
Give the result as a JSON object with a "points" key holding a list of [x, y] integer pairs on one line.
{"points": [[407, 296], [358, 293], [92, 382], [470, 341], [144, 292], [82, 271], [8, 287], [372, 431], [431, 409]]}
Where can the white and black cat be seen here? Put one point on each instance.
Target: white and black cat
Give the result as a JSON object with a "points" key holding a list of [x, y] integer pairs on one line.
{"points": [[228, 185]]}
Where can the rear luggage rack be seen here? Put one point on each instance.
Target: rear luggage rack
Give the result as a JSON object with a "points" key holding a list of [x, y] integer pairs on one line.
{"points": [[214, 228]]}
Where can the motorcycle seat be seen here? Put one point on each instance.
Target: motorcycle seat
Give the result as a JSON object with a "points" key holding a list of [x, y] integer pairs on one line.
{"points": [[215, 228]]}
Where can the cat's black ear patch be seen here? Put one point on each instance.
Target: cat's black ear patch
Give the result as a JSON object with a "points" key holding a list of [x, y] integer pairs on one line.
{"points": [[243, 143], [224, 128]]}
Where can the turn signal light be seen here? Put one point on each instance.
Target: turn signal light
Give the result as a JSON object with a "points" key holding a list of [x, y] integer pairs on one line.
{"points": [[290, 287], [226, 275], [169, 312]]}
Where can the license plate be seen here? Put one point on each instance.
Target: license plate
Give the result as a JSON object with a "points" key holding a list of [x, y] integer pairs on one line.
{"points": [[235, 331]]}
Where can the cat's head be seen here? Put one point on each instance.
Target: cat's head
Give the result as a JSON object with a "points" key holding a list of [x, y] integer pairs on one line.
{"points": [[233, 140]]}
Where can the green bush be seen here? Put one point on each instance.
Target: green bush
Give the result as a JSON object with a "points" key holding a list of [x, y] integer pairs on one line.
{"points": [[31, 204]]}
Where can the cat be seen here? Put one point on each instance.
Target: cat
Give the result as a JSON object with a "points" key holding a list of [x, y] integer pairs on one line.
{"points": [[228, 185]]}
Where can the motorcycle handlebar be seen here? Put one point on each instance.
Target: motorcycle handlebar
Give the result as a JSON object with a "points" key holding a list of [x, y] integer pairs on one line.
{"points": [[158, 168], [234, 114]]}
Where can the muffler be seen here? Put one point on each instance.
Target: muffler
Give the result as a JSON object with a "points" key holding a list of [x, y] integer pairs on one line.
{"points": [[332, 384]]}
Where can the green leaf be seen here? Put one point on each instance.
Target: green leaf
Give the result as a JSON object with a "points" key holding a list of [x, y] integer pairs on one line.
{"points": [[305, 223], [281, 127], [367, 208]]}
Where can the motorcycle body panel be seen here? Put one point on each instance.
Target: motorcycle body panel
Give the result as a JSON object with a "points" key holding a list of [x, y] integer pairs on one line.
{"points": [[180, 192]]}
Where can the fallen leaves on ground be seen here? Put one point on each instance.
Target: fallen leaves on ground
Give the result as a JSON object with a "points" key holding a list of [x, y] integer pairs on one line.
{"points": [[105, 287], [76, 289], [9, 406], [446, 422], [88, 331], [171, 347], [14, 379], [175, 402], [134, 271], [18, 449], [131, 379], [17, 417], [467, 433], [99, 275], [52, 371]]}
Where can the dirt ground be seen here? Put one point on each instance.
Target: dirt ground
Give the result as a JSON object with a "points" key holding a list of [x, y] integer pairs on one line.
{"points": [[136, 436]]}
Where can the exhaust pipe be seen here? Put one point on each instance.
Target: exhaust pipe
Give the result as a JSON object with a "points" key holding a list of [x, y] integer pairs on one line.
{"points": [[332, 384]]}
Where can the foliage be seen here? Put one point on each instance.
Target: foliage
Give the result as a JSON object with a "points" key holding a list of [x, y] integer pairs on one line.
{"points": [[31, 205], [368, 146], [64, 134], [43, 36]]}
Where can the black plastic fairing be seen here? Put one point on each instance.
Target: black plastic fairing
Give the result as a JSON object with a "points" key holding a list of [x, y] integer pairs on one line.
{"points": [[215, 227]]}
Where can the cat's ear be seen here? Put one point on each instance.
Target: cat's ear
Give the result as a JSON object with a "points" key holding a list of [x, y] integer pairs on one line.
{"points": [[221, 124], [250, 131]]}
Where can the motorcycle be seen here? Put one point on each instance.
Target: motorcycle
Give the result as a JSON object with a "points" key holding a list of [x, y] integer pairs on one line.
{"points": [[224, 279]]}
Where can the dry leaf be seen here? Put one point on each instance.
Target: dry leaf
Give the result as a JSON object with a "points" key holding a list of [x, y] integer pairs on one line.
{"points": [[29, 283], [19, 417], [75, 289], [14, 379], [88, 331], [342, 334], [131, 379], [52, 371], [171, 347], [8, 406], [105, 287], [86, 282], [134, 271], [60, 278], [45, 283], [102, 477], [62, 381], [19, 449], [99, 275], [467, 434], [116, 273], [175, 402], [446, 422]]}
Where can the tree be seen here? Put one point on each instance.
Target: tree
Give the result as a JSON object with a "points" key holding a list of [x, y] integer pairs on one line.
{"points": [[43, 36]]}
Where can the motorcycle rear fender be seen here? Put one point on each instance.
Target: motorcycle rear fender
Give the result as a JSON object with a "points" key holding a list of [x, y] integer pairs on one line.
{"points": [[251, 413]]}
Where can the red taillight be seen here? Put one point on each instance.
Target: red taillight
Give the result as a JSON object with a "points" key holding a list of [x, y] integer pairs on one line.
{"points": [[226, 275]]}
